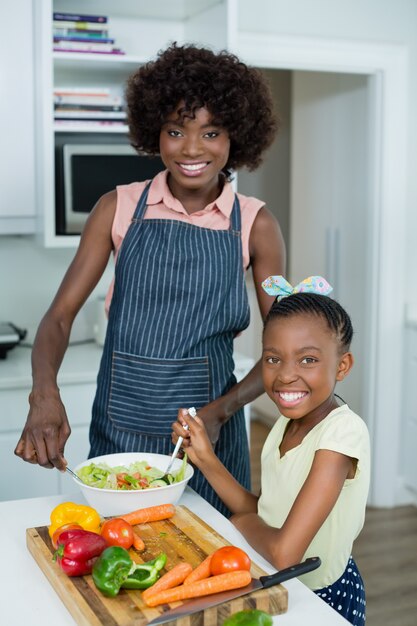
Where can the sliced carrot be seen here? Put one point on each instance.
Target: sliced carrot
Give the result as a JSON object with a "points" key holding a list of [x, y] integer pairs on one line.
{"points": [[200, 572], [214, 584], [172, 578], [138, 543], [150, 514]]}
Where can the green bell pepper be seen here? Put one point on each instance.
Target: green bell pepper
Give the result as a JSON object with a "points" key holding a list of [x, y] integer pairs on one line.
{"points": [[145, 574], [115, 569], [249, 617]]}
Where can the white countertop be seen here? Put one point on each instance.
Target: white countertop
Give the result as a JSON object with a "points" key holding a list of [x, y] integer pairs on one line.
{"points": [[22, 579]]}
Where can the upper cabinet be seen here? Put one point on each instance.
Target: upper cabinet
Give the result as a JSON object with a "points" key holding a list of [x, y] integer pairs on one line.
{"points": [[139, 29], [17, 177]]}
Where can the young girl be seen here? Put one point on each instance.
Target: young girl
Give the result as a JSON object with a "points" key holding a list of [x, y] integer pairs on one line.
{"points": [[182, 243], [315, 461]]}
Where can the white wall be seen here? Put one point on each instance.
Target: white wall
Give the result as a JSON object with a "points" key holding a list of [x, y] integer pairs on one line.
{"points": [[383, 21], [29, 278]]}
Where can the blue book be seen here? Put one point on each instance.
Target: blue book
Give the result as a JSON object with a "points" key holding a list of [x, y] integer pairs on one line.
{"points": [[73, 17], [85, 39]]}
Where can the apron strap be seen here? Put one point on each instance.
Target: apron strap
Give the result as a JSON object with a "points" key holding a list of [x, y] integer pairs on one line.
{"points": [[141, 205]]}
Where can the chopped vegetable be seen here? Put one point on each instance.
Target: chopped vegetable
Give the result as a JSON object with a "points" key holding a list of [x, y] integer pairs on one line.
{"points": [[71, 513], [115, 569], [78, 550], [172, 578], [149, 514], [214, 584], [249, 617], [136, 476]]}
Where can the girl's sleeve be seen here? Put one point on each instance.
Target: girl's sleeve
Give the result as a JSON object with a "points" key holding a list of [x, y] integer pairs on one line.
{"points": [[346, 433]]}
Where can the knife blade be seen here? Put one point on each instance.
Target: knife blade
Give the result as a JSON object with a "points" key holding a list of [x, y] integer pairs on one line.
{"points": [[264, 582]]}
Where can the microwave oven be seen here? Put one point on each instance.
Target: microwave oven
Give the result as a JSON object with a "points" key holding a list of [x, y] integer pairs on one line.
{"points": [[85, 171]]}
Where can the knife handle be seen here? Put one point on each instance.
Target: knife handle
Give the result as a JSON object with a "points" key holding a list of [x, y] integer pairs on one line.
{"points": [[290, 572]]}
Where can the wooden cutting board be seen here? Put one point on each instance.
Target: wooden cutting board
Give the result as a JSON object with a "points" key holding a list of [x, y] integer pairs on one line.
{"points": [[184, 537]]}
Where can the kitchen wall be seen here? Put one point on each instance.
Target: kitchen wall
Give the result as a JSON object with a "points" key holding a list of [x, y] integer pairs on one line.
{"points": [[29, 278]]}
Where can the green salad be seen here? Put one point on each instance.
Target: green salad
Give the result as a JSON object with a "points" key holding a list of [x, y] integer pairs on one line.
{"points": [[136, 476]]}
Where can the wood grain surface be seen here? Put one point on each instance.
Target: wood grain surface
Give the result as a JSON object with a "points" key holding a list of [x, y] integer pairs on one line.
{"points": [[185, 537]]}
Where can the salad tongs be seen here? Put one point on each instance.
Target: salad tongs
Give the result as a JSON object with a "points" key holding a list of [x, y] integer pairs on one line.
{"points": [[167, 477]]}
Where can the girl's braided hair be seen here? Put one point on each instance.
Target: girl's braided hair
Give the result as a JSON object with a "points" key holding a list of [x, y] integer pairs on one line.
{"points": [[237, 96], [319, 305]]}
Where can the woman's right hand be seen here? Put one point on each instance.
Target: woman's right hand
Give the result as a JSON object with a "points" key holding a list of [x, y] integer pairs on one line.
{"points": [[45, 433]]}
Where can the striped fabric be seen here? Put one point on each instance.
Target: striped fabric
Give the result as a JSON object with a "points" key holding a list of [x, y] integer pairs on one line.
{"points": [[179, 300]]}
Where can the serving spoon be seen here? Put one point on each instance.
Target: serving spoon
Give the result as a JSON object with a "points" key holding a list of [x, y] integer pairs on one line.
{"points": [[191, 411]]}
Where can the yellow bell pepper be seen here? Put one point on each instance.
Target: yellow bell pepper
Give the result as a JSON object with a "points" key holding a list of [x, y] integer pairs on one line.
{"points": [[71, 513]]}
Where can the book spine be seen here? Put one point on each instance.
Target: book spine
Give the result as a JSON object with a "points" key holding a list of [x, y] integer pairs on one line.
{"points": [[67, 101], [115, 115], [98, 26], [80, 32], [114, 51], [84, 47], [73, 17], [82, 39], [62, 106], [82, 91]]}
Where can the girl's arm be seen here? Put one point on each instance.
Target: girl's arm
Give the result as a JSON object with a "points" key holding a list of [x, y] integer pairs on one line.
{"points": [[285, 546], [267, 258], [47, 428], [200, 452]]}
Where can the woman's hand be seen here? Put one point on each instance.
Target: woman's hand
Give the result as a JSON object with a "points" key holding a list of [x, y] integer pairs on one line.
{"points": [[45, 433]]}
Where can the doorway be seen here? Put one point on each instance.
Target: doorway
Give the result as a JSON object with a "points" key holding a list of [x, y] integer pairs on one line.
{"points": [[382, 80]]}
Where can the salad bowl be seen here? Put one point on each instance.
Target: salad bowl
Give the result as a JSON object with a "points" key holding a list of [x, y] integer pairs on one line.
{"points": [[117, 501]]}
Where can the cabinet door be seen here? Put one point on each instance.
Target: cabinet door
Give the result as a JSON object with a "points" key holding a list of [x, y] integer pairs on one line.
{"points": [[20, 479], [17, 179]]}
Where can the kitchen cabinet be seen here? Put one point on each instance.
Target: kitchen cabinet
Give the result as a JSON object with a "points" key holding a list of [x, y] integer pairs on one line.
{"points": [[140, 29], [77, 382], [17, 163]]}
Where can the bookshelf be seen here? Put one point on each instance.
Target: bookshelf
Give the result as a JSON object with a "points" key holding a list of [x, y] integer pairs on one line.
{"points": [[140, 28]]}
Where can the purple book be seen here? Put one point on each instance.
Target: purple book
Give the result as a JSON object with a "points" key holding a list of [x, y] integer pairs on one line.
{"points": [[73, 17]]}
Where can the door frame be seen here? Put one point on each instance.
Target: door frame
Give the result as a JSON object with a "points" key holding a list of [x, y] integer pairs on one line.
{"points": [[386, 65]]}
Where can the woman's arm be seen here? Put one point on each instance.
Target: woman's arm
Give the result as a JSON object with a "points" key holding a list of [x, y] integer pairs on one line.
{"points": [[47, 429], [267, 258], [285, 546]]}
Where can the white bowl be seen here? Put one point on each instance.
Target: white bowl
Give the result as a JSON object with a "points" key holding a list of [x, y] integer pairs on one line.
{"points": [[111, 502]]}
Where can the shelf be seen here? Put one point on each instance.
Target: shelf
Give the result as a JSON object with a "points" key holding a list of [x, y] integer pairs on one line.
{"points": [[96, 61]]}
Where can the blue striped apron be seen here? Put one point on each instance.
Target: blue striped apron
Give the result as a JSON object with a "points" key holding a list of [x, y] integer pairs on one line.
{"points": [[179, 299]]}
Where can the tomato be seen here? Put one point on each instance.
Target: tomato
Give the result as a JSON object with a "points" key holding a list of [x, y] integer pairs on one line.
{"points": [[117, 532], [61, 529], [229, 559]]}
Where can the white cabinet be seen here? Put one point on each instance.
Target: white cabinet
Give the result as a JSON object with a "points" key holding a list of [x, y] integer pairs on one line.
{"points": [[77, 382], [17, 177], [141, 29]]}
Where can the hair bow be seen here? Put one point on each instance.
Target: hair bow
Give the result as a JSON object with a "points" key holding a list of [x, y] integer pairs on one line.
{"points": [[279, 287]]}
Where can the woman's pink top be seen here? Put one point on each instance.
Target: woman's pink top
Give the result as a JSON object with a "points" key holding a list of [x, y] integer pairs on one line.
{"points": [[161, 204]]}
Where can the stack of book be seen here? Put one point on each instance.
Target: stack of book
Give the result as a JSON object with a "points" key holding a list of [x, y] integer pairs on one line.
{"points": [[88, 106], [82, 33]]}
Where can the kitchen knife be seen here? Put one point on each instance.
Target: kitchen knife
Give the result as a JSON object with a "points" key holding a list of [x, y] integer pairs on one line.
{"points": [[264, 582]]}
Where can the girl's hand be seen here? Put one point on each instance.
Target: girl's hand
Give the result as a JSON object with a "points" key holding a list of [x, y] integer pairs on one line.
{"points": [[196, 441]]}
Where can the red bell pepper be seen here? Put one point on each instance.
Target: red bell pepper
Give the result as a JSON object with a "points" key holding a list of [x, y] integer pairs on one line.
{"points": [[78, 550]]}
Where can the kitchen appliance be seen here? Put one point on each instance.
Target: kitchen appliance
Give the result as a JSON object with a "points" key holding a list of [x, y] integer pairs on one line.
{"points": [[86, 171], [10, 336]]}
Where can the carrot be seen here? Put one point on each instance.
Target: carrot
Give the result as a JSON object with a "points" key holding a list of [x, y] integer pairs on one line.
{"points": [[150, 514], [200, 572], [214, 584], [138, 543], [172, 578]]}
